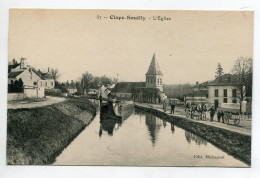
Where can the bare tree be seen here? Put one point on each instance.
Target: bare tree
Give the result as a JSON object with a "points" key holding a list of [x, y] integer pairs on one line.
{"points": [[243, 70]]}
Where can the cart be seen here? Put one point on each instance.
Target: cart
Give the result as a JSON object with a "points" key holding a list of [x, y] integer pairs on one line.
{"points": [[231, 116]]}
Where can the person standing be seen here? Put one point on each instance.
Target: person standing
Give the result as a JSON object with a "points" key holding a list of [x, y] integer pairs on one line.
{"points": [[212, 113], [222, 115], [172, 107], [219, 115]]}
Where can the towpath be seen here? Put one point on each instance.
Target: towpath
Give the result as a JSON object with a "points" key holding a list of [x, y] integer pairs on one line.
{"points": [[34, 103], [244, 126]]}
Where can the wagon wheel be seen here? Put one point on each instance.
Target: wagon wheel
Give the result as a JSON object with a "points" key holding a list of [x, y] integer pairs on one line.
{"points": [[226, 120], [236, 121]]}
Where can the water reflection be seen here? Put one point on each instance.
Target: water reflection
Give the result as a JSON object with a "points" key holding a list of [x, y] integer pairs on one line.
{"points": [[192, 137], [108, 125], [153, 124]]}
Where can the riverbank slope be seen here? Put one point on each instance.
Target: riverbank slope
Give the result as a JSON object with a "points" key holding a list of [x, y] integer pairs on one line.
{"points": [[36, 136]]}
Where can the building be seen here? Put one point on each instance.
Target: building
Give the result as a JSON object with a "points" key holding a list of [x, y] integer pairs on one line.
{"points": [[48, 78], [124, 90], [198, 94], [154, 75], [150, 91], [30, 80], [224, 89]]}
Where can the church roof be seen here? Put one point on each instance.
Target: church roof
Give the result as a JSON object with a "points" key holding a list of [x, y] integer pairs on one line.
{"points": [[154, 68], [127, 87]]}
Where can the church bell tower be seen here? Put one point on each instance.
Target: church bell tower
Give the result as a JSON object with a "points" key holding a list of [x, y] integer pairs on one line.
{"points": [[154, 75]]}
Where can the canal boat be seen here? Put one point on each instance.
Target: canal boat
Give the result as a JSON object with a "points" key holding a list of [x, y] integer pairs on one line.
{"points": [[116, 110]]}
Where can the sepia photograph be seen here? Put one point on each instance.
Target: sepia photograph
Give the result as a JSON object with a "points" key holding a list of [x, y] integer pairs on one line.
{"points": [[164, 88]]}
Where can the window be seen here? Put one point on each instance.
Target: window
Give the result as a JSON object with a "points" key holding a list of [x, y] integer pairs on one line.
{"points": [[216, 92], [234, 93], [229, 79], [234, 101], [225, 100], [225, 92], [148, 81], [160, 81]]}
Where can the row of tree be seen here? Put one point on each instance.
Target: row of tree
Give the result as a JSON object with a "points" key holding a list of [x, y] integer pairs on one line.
{"points": [[87, 81]]}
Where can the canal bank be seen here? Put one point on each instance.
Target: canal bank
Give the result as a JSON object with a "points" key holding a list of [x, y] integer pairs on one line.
{"points": [[36, 136], [234, 143]]}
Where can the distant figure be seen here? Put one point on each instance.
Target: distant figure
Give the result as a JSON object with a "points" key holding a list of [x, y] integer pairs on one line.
{"points": [[164, 105], [222, 115], [212, 113], [219, 115], [172, 107]]}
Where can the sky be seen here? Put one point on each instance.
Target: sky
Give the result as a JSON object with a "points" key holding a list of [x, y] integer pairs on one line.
{"points": [[188, 47]]}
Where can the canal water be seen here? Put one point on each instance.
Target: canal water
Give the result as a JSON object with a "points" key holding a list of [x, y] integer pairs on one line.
{"points": [[142, 140]]}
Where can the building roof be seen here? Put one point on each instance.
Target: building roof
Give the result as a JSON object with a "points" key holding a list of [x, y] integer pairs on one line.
{"points": [[14, 74], [46, 76], [12, 66], [154, 68], [225, 80], [127, 87]]}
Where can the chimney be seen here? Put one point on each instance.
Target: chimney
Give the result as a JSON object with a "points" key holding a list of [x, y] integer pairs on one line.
{"points": [[23, 63]]}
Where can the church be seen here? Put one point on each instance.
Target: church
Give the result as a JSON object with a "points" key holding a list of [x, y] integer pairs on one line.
{"points": [[150, 91]]}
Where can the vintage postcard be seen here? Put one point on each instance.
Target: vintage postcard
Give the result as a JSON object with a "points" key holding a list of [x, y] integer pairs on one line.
{"points": [[129, 87]]}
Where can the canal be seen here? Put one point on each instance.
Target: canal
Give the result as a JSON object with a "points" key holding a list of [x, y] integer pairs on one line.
{"points": [[142, 140]]}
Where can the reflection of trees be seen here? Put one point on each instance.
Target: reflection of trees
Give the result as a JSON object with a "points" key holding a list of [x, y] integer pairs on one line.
{"points": [[153, 124], [192, 137]]}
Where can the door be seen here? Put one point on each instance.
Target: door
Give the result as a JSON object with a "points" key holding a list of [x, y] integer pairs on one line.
{"points": [[216, 104]]}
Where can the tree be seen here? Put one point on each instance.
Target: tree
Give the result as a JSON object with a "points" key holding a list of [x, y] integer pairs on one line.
{"points": [[219, 71], [243, 70], [86, 81]]}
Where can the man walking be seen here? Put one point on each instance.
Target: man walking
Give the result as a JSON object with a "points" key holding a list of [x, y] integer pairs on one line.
{"points": [[212, 113], [172, 107]]}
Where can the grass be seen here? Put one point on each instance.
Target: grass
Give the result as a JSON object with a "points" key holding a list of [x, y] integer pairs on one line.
{"points": [[36, 136]]}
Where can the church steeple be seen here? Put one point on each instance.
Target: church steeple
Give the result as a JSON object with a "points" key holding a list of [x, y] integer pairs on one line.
{"points": [[154, 68], [154, 75]]}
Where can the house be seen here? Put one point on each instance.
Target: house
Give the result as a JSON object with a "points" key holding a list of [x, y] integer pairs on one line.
{"points": [[48, 82], [71, 90], [224, 89], [198, 94], [31, 82]]}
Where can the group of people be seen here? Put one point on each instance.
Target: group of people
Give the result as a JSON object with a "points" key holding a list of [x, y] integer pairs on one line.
{"points": [[199, 108], [220, 114]]}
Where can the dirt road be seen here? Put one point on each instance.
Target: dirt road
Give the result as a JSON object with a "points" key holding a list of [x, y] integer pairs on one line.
{"points": [[49, 100]]}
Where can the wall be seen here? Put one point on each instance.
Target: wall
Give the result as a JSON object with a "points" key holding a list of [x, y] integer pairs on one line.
{"points": [[123, 95], [48, 84], [34, 92], [220, 97], [28, 78], [15, 96]]}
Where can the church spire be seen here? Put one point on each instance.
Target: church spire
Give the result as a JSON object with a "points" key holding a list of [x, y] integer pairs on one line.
{"points": [[154, 68]]}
